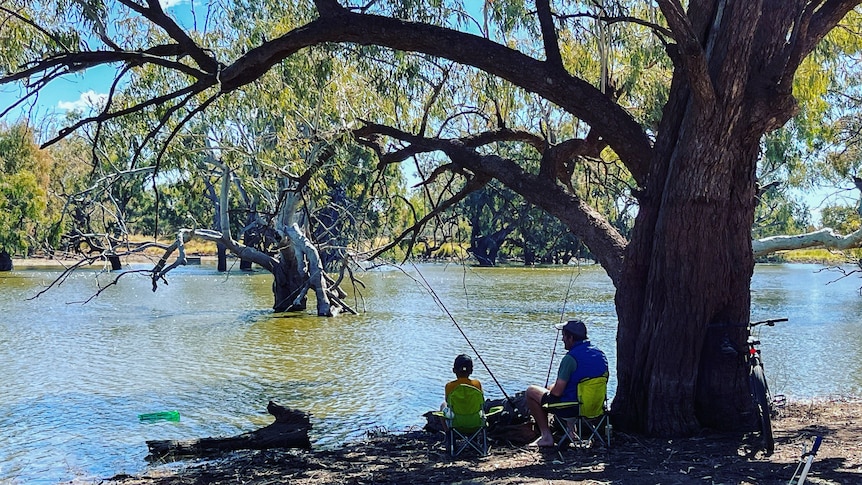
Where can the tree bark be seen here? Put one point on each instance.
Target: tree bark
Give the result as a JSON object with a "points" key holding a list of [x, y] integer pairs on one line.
{"points": [[290, 430], [698, 208], [287, 286], [672, 377], [221, 255]]}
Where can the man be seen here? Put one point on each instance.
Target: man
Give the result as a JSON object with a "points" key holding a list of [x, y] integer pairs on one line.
{"points": [[583, 361]]}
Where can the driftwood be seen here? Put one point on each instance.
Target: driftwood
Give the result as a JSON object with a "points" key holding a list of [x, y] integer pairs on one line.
{"points": [[290, 430]]}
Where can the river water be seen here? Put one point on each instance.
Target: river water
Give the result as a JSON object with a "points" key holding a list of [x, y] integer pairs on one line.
{"points": [[75, 376]]}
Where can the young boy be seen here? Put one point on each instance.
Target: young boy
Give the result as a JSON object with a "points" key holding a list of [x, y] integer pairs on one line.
{"points": [[462, 368]]}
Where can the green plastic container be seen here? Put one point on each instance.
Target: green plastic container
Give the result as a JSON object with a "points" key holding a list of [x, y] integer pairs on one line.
{"points": [[159, 416]]}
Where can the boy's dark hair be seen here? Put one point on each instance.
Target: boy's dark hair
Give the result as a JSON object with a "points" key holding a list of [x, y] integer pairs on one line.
{"points": [[463, 365]]}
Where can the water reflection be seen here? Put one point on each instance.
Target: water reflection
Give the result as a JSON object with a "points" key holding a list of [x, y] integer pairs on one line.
{"points": [[76, 376], [816, 352]]}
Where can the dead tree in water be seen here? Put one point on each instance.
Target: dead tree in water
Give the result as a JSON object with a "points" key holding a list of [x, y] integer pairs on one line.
{"points": [[290, 430], [297, 267]]}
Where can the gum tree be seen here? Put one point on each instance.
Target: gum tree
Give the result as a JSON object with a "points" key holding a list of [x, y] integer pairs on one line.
{"points": [[689, 148], [24, 180]]}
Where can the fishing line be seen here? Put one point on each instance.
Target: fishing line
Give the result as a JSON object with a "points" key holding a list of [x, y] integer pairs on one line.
{"points": [[439, 302], [562, 315]]}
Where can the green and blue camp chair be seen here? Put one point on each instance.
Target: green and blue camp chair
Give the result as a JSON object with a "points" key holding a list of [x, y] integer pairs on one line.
{"points": [[587, 418], [466, 421]]}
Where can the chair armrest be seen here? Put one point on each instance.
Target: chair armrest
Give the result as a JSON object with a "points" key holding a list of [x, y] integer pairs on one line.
{"points": [[494, 410], [561, 405]]}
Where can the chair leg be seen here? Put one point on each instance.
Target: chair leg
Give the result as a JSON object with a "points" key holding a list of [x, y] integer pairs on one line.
{"points": [[600, 431], [570, 435], [477, 440], [581, 431], [608, 432]]}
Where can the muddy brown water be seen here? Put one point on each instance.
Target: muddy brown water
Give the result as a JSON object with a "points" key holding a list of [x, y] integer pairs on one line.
{"points": [[74, 377]]}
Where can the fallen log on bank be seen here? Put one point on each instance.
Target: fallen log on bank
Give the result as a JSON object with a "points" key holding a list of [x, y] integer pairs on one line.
{"points": [[290, 430]]}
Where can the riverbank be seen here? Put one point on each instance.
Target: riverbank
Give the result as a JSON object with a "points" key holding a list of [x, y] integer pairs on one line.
{"points": [[419, 457], [63, 263], [206, 252]]}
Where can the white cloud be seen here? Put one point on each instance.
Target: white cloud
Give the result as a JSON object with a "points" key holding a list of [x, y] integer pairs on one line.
{"points": [[88, 100], [171, 3]]}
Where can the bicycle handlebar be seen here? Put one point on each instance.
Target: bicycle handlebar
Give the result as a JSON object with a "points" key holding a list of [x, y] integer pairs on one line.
{"points": [[771, 322]]}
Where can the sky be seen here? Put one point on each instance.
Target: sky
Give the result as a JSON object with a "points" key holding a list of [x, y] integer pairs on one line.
{"points": [[86, 89], [80, 91]]}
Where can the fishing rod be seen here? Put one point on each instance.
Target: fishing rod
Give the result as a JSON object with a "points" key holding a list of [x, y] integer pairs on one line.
{"points": [[439, 302], [562, 315]]}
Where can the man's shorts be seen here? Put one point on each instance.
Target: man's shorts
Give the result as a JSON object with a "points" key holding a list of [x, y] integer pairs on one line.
{"points": [[548, 398], [566, 412]]}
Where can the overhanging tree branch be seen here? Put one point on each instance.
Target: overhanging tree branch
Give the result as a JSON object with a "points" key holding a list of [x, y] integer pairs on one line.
{"points": [[826, 238], [104, 116], [573, 94], [336, 24], [156, 15], [549, 34], [76, 61], [606, 243]]}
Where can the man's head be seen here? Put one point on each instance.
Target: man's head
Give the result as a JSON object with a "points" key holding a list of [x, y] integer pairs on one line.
{"points": [[463, 366], [573, 331]]}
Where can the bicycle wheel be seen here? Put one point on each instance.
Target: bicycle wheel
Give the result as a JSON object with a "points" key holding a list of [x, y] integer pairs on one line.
{"points": [[761, 399]]}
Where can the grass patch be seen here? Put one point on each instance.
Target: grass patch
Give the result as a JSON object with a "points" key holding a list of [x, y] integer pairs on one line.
{"points": [[819, 256], [196, 246], [452, 250]]}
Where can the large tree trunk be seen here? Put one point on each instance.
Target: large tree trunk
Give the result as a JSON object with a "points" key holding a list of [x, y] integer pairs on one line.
{"points": [[698, 207], [673, 379]]}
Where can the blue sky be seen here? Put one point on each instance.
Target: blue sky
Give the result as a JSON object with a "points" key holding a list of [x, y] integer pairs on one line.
{"points": [[79, 91]]}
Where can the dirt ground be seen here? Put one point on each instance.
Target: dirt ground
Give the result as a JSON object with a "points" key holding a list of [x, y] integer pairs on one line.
{"points": [[419, 457]]}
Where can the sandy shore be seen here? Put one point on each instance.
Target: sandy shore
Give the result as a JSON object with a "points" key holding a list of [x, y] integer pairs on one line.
{"points": [[419, 457]]}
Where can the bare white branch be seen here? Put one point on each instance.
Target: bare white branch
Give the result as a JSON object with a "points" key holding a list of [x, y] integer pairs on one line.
{"points": [[823, 238]]}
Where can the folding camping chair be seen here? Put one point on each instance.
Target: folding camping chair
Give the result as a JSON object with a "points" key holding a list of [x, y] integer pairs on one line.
{"points": [[466, 420], [586, 419]]}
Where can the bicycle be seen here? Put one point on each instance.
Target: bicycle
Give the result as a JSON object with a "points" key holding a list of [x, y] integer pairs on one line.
{"points": [[763, 399]]}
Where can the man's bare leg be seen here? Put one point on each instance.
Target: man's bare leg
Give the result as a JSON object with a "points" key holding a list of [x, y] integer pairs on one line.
{"points": [[534, 404]]}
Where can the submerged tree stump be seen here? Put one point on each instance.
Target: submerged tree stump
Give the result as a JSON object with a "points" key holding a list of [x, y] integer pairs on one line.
{"points": [[5, 261], [290, 430]]}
